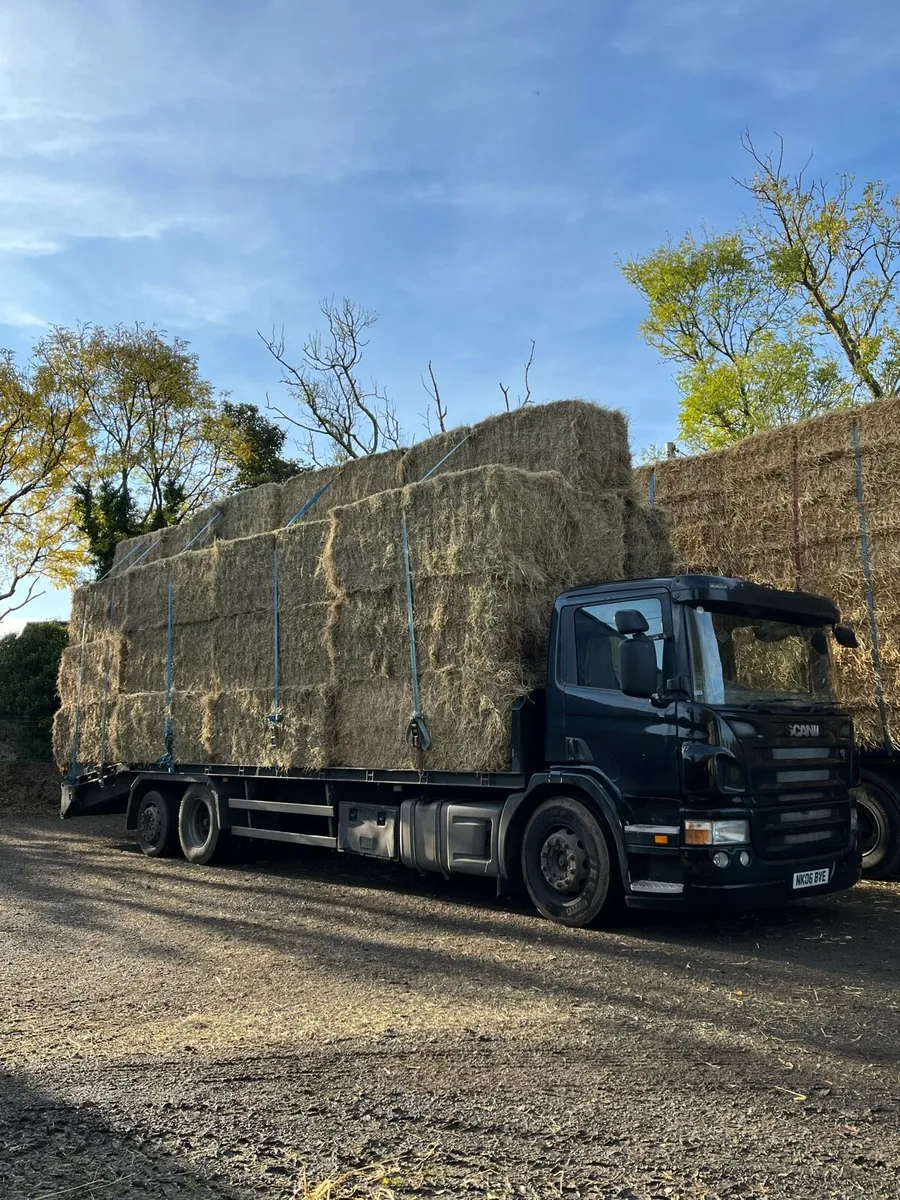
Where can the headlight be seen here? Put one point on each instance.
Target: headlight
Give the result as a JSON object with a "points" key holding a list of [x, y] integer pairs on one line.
{"points": [[731, 833], [716, 833]]}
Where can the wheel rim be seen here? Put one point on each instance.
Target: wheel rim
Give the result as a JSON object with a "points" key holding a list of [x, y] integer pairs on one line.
{"points": [[872, 828], [564, 861], [151, 824], [199, 823]]}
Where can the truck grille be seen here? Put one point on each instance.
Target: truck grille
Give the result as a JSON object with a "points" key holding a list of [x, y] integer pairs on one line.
{"points": [[788, 774], [800, 832]]}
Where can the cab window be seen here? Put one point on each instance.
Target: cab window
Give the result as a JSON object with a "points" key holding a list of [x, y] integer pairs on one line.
{"points": [[597, 640]]}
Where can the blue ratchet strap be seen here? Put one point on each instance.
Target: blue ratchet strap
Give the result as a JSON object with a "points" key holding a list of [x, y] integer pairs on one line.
{"points": [[652, 485], [140, 558], [449, 454], [275, 717], [417, 734], [199, 534], [76, 734], [870, 596], [308, 505], [167, 759], [107, 655], [123, 559]]}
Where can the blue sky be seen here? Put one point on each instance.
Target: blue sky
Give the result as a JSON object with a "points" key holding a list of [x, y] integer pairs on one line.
{"points": [[471, 170]]}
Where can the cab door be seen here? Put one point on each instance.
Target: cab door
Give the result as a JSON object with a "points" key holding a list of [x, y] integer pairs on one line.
{"points": [[632, 741]]}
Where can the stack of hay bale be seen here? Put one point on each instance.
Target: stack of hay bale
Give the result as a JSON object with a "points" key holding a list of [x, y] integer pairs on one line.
{"points": [[783, 508], [531, 503]]}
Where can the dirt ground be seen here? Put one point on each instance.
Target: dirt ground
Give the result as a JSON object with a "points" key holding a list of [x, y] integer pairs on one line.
{"points": [[176, 1031]]}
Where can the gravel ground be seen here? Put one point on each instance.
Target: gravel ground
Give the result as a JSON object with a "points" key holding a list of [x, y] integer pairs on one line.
{"points": [[257, 1030]]}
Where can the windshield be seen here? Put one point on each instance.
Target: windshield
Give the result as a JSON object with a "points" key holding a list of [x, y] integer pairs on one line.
{"points": [[739, 658]]}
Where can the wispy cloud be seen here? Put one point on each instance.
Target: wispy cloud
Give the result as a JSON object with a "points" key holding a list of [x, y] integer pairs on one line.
{"points": [[499, 199], [792, 48], [17, 317], [40, 215]]}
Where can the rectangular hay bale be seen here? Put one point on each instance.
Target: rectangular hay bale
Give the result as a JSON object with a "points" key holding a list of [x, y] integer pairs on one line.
{"points": [[138, 728], [490, 519], [586, 443], [101, 680], [239, 731], [301, 579], [469, 720], [347, 482]]}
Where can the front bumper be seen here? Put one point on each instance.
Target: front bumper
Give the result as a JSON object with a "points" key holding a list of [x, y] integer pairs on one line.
{"points": [[709, 888]]}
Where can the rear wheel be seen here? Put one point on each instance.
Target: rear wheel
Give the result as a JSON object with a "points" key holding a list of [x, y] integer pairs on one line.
{"points": [[566, 863], [202, 838], [878, 807], [157, 825]]}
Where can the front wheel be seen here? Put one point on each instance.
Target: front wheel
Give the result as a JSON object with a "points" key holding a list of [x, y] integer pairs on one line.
{"points": [[202, 838], [878, 808], [566, 862]]}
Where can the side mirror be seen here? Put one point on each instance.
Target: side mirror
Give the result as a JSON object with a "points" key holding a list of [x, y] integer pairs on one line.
{"points": [[844, 636], [638, 672]]}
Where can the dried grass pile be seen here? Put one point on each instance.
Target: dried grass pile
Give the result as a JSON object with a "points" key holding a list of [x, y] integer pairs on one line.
{"points": [[781, 508], [582, 441], [493, 537]]}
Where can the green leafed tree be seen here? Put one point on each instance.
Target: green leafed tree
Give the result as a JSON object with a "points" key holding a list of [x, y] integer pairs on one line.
{"points": [[150, 458], [29, 665], [250, 446], [44, 440], [791, 315], [743, 361]]}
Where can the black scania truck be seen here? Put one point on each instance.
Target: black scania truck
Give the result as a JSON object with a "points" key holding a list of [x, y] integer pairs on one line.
{"points": [[686, 753]]}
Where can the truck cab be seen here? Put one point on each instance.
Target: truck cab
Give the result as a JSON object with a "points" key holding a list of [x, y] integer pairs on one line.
{"points": [[702, 707]]}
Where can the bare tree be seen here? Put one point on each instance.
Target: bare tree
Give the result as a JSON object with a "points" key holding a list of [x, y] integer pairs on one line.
{"points": [[334, 406], [836, 249], [521, 401], [440, 409]]}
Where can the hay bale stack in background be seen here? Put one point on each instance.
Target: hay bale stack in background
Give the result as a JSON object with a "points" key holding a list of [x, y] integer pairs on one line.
{"points": [[492, 541], [781, 508]]}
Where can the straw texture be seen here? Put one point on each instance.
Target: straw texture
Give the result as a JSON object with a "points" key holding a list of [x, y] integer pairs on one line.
{"points": [[781, 508]]}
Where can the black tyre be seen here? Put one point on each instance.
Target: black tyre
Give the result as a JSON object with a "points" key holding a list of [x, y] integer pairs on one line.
{"points": [[566, 863], [157, 825], [202, 838], [878, 807]]}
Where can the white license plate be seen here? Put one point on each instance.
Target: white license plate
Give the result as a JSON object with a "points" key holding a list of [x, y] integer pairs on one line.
{"points": [[803, 879]]}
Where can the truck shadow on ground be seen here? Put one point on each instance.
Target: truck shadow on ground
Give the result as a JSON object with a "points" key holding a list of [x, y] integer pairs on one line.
{"points": [[365, 922], [51, 1148]]}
